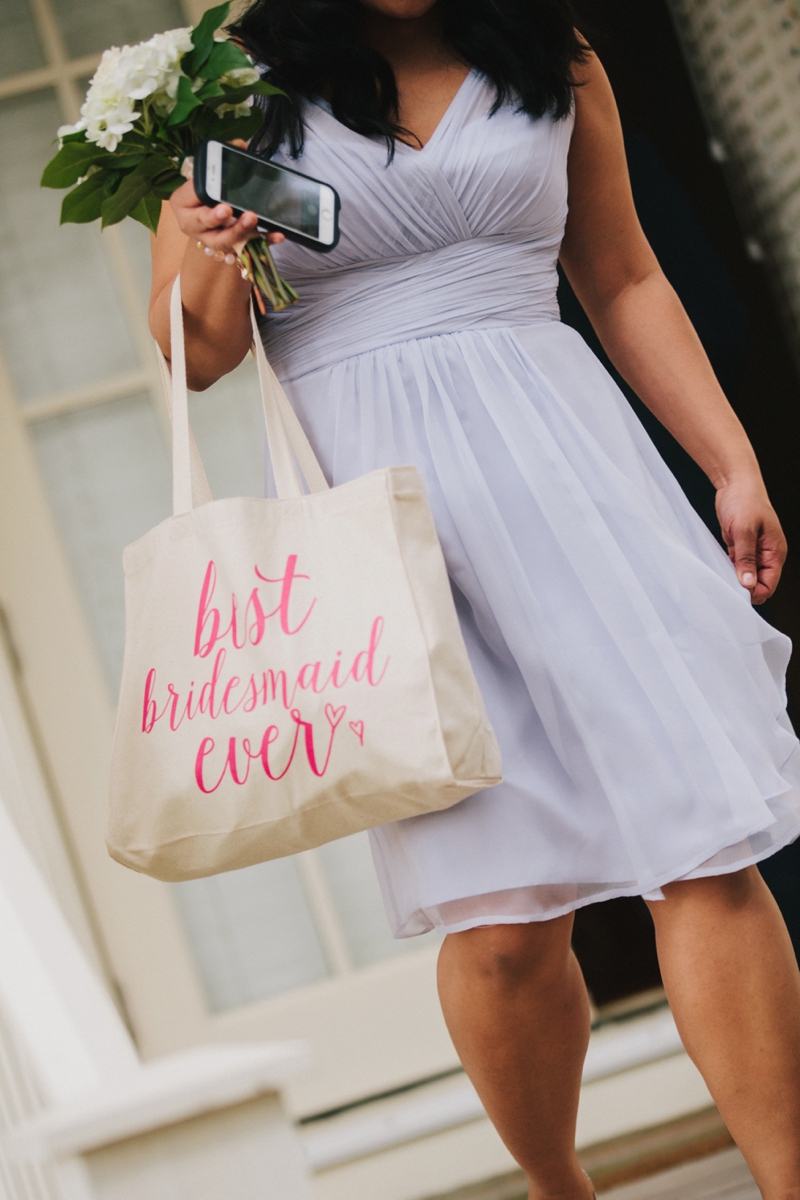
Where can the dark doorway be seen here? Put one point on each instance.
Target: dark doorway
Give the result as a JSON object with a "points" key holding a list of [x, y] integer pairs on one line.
{"points": [[687, 213]]}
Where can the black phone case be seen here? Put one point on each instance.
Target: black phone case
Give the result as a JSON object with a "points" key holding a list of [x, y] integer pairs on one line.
{"points": [[264, 224]]}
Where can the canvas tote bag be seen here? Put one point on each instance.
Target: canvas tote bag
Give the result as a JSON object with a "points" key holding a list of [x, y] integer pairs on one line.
{"points": [[294, 669]]}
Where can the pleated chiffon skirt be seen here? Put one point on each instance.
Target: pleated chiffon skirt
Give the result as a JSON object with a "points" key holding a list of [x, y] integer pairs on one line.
{"points": [[637, 697]]}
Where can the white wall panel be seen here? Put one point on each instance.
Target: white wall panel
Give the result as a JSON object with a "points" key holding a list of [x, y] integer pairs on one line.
{"points": [[88, 25], [61, 322], [19, 44], [108, 475], [251, 932]]}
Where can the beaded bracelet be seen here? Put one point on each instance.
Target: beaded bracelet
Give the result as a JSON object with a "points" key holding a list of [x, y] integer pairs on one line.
{"points": [[218, 255]]}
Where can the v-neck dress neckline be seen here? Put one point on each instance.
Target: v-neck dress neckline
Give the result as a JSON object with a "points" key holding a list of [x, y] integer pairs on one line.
{"points": [[446, 120]]}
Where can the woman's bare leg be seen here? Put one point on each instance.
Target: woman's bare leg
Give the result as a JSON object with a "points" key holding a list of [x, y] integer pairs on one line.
{"points": [[734, 988], [517, 1009]]}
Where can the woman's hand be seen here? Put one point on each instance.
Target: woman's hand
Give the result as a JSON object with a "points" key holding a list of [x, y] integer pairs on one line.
{"points": [[753, 535], [215, 227], [216, 299]]}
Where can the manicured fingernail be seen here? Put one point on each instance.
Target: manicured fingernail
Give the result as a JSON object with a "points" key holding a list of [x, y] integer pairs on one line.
{"points": [[748, 579]]}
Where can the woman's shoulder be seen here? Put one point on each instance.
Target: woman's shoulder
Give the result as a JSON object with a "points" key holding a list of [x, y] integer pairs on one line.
{"points": [[592, 91]]}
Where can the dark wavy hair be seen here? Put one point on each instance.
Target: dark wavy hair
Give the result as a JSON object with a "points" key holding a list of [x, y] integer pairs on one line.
{"points": [[525, 48]]}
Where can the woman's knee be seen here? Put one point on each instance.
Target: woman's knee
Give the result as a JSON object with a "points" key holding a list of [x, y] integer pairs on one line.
{"points": [[508, 956], [735, 890]]}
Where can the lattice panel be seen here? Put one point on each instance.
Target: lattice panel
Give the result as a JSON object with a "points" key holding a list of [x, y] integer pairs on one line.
{"points": [[745, 57]]}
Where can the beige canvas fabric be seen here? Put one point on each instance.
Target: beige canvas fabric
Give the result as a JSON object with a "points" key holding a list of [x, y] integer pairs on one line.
{"points": [[294, 668]]}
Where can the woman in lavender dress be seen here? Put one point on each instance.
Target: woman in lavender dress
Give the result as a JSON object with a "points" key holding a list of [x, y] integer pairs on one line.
{"points": [[636, 694]]}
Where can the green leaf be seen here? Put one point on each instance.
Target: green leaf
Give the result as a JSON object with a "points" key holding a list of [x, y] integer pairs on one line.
{"points": [[134, 141], [203, 124], [82, 204], [125, 162], [147, 212], [224, 57], [134, 187], [227, 127], [164, 187], [111, 181], [71, 163], [210, 22], [203, 38], [229, 95], [209, 90], [263, 88], [79, 136], [187, 102], [171, 137]]}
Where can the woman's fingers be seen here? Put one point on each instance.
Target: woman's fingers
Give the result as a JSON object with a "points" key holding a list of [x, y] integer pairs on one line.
{"points": [[754, 538], [770, 557], [758, 563], [217, 227], [213, 218], [228, 233], [743, 556], [758, 556]]}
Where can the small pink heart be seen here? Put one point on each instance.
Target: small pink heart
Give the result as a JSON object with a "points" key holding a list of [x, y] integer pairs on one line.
{"points": [[358, 729], [334, 715]]}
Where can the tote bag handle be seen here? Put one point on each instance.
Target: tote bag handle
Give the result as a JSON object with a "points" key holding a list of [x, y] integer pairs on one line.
{"points": [[287, 444]]}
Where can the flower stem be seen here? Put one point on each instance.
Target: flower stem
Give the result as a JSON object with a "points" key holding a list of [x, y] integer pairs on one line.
{"points": [[259, 267]]}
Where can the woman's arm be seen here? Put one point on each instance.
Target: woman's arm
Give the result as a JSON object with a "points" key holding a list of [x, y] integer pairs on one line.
{"points": [[216, 299], [649, 338]]}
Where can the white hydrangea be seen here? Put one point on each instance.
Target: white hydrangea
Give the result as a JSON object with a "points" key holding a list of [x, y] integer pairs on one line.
{"points": [[134, 73], [240, 77]]}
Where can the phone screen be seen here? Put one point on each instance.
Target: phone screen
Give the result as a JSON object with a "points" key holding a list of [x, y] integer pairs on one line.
{"points": [[271, 193]]}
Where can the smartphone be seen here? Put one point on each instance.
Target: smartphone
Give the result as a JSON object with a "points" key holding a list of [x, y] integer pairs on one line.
{"points": [[304, 209]]}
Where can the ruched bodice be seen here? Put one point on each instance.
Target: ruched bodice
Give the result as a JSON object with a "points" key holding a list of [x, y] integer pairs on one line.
{"points": [[637, 698], [426, 247]]}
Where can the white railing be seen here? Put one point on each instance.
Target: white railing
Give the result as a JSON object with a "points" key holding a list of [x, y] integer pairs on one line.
{"points": [[19, 1101], [81, 1118]]}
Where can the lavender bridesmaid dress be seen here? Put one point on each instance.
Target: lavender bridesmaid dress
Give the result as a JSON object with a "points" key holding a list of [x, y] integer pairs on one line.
{"points": [[637, 697]]}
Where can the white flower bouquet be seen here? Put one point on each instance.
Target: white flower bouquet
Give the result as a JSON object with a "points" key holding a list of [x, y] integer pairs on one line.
{"points": [[147, 108]]}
